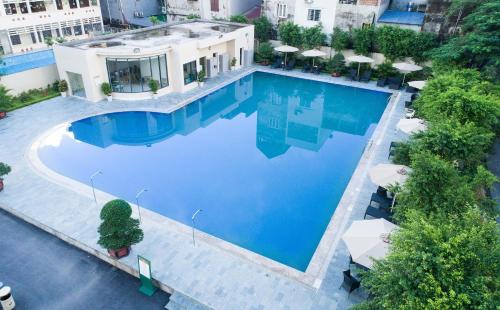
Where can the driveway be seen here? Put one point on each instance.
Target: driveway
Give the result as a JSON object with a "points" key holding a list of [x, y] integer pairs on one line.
{"points": [[47, 273]]}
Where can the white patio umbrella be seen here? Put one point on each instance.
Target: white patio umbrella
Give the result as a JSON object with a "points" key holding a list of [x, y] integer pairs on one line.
{"points": [[384, 175], [313, 53], [417, 84], [406, 67], [367, 240], [359, 59], [286, 49], [411, 125]]}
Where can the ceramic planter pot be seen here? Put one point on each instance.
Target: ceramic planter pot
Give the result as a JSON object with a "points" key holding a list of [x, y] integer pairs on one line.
{"points": [[335, 74], [1, 185], [3, 114], [119, 253], [110, 98], [63, 94]]}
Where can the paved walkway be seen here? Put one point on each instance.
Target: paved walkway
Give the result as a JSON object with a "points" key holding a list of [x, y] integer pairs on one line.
{"points": [[209, 274], [47, 273]]}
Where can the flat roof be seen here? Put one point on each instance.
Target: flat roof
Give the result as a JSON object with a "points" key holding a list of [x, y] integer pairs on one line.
{"points": [[165, 34], [402, 17]]}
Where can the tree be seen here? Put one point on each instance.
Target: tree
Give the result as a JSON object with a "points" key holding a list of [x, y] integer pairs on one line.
{"points": [[447, 262], [290, 34], [263, 29], [423, 42], [239, 19], [4, 169], [339, 39], [363, 40], [337, 64], [394, 42], [386, 69], [118, 229], [265, 52], [313, 37]]}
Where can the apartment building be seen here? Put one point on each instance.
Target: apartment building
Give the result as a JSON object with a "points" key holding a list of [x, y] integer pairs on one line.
{"points": [[131, 13], [208, 9], [26, 25]]}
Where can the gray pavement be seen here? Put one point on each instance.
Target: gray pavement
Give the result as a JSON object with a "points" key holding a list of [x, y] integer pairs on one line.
{"points": [[47, 273]]}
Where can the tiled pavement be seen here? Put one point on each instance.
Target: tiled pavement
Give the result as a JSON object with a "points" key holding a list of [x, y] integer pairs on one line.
{"points": [[209, 274]]}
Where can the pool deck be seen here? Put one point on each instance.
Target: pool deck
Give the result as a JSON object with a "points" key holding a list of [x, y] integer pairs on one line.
{"points": [[212, 274]]}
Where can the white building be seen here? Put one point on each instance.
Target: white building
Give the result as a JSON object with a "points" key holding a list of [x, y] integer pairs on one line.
{"points": [[171, 54], [26, 24], [208, 9]]}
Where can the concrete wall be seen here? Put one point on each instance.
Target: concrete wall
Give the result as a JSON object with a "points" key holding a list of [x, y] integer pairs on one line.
{"points": [[30, 79], [327, 17]]}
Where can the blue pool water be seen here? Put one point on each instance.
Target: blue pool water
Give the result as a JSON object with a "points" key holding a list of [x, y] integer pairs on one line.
{"points": [[21, 62], [267, 158]]}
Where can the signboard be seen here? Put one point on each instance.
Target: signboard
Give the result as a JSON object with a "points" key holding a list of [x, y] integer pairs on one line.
{"points": [[147, 287]]}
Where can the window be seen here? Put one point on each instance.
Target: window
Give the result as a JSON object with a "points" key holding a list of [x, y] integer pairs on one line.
{"points": [[281, 10], [23, 7], [10, 8], [59, 4], [38, 6], [348, 1], [190, 72], [133, 75], [84, 3], [87, 28], [214, 5], [97, 27], [93, 2], [15, 39], [73, 4], [313, 15], [77, 30], [47, 34], [67, 31], [33, 37]]}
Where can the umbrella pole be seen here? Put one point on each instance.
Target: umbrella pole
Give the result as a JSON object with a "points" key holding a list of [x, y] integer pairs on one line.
{"points": [[313, 62], [285, 60], [359, 67], [404, 77]]}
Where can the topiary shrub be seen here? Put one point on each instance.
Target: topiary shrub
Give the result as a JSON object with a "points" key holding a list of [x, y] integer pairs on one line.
{"points": [[106, 89], [63, 86], [118, 230], [264, 53], [4, 170], [154, 86]]}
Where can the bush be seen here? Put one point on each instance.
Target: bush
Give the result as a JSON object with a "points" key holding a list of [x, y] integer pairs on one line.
{"points": [[63, 86], [313, 37], [265, 52], [154, 86], [239, 19], [363, 40], [5, 98], [201, 76], [4, 169], [394, 42], [290, 34], [106, 89], [24, 96], [423, 43], [193, 16], [263, 29], [337, 64], [386, 69], [118, 229], [339, 40]]}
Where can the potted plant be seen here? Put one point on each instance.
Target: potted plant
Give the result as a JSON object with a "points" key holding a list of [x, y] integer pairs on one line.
{"points": [[154, 86], [201, 77], [233, 63], [4, 170], [5, 100], [118, 231], [106, 90], [337, 65], [63, 87]]}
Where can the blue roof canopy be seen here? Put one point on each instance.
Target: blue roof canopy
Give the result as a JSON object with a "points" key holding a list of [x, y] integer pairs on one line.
{"points": [[402, 17]]}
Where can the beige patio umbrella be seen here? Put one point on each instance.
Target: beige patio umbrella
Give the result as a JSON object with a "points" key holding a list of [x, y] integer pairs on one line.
{"points": [[359, 59], [367, 240], [286, 49], [384, 175], [417, 84], [411, 125], [406, 68], [313, 53]]}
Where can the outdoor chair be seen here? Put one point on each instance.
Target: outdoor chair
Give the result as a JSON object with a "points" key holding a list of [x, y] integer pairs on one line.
{"points": [[318, 69], [411, 90], [353, 76], [350, 283], [277, 63], [306, 68], [409, 113], [394, 83], [413, 97], [392, 151], [366, 76], [381, 82], [408, 104], [377, 213], [290, 64], [384, 203]]}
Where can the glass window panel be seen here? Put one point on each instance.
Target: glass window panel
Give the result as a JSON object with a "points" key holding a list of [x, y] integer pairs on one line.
{"points": [[47, 34], [189, 72], [77, 30], [155, 69], [84, 3], [67, 31], [163, 71], [123, 74], [38, 6], [145, 73], [59, 4], [97, 27], [33, 37], [135, 75], [73, 4], [23, 7], [15, 39]]}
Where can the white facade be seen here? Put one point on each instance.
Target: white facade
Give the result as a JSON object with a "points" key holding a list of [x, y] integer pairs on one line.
{"points": [[26, 25], [278, 11], [171, 54], [208, 9]]}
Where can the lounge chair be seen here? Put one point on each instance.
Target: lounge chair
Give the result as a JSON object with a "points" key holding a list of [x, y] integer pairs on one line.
{"points": [[306, 68], [413, 97], [318, 69], [353, 76], [277, 63], [383, 203], [365, 77], [394, 83], [381, 82], [377, 213], [290, 64], [411, 90], [392, 151], [350, 283], [408, 104]]}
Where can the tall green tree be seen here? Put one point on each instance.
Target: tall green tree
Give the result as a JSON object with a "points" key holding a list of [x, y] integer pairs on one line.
{"points": [[423, 43], [363, 40], [263, 29], [313, 37], [447, 262], [290, 34], [394, 42], [339, 39]]}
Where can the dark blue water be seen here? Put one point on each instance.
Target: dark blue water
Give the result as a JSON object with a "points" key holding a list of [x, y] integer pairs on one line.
{"points": [[267, 158]]}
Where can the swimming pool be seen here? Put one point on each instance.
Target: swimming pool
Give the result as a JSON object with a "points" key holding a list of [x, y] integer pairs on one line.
{"points": [[267, 158]]}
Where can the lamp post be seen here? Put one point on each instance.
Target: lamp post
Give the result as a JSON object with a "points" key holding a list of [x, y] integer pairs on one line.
{"points": [[142, 191], [92, 182], [193, 222]]}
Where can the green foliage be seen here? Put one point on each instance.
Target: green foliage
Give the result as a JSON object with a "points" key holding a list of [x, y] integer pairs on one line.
{"points": [[339, 39], [63, 86], [154, 20], [60, 40], [313, 37], [154, 85], [265, 52], [49, 41], [239, 19], [394, 42], [402, 153], [4, 169], [337, 64], [386, 69], [106, 89], [233, 62], [448, 262], [290, 34], [193, 16], [201, 76], [5, 98], [363, 40], [423, 43], [118, 229], [263, 29], [462, 96]]}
